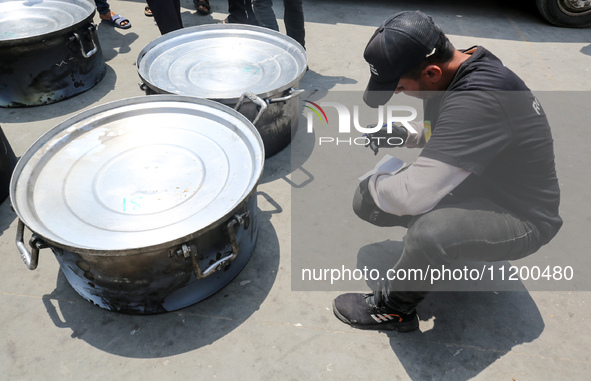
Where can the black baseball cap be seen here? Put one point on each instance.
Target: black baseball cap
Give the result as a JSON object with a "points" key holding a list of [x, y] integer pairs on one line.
{"points": [[400, 44]]}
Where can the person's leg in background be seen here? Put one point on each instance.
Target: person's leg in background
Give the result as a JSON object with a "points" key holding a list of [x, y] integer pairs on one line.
{"points": [[240, 12], [293, 17], [202, 6], [263, 10], [167, 14], [102, 6], [105, 14]]}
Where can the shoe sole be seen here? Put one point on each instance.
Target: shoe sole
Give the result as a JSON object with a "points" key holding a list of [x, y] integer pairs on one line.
{"points": [[390, 326]]}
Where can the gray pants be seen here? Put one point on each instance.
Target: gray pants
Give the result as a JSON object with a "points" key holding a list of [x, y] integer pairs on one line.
{"points": [[293, 17], [456, 230], [102, 6], [167, 14]]}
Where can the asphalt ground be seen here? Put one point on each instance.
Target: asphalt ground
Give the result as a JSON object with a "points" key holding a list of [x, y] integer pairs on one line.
{"points": [[258, 327]]}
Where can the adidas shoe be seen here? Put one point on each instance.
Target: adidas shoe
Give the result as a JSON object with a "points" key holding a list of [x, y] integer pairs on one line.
{"points": [[366, 311]]}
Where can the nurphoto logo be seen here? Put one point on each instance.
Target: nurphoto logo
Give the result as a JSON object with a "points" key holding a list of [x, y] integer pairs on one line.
{"points": [[318, 108], [315, 113]]}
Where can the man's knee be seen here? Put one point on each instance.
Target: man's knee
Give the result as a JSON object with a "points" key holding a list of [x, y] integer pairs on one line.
{"points": [[427, 235], [362, 202], [366, 209]]}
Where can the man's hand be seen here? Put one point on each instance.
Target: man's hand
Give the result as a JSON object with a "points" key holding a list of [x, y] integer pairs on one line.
{"points": [[382, 139]]}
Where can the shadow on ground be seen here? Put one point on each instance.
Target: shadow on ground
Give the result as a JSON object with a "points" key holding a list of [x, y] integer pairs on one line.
{"points": [[7, 215], [462, 332], [470, 331], [114, 42], [292, 159]]}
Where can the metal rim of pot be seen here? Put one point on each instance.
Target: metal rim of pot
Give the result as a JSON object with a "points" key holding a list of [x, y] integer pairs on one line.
{"points": [[41, 239], [245, 32], [86, 15]]}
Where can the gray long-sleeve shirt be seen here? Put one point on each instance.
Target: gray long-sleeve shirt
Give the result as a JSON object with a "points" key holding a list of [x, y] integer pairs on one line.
{"points": [[418, 188]]}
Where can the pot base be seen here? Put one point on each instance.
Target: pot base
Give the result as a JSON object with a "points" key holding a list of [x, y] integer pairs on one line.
{"points": [[169, 292]]}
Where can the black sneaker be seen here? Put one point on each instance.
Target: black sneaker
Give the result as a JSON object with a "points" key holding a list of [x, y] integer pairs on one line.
{"points": [[366, 311]]}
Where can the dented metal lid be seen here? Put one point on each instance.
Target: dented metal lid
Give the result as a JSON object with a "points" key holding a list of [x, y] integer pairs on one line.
{"points": [[222, 61], [30, 18], [137, 173]]}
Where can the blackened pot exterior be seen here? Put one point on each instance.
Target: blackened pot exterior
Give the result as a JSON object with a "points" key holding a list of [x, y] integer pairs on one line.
{"points": [[47, 69], [7, 162], [277, 124], [164, 279]]}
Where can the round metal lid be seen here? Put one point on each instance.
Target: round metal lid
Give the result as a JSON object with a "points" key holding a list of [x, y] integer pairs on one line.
{"points": [[30, 18], [222, 61], [136, 173]]}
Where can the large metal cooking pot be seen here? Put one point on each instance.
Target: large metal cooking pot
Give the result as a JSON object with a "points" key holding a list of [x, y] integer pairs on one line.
{"points": [[147, 203], [7, 162], [223, 61], [49, 51]]}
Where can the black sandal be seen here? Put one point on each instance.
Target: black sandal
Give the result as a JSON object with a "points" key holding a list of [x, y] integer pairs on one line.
{"points": [[202, 6]]}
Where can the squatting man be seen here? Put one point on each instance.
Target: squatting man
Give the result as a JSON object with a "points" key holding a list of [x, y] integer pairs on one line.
{"points": [[484, 187]]}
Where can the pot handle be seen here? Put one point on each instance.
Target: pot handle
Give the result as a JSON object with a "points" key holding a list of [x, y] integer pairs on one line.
{"points": [[94, 45], [254, 99], [144, 88], [31, 258], [238, 219], [292, 94]]}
